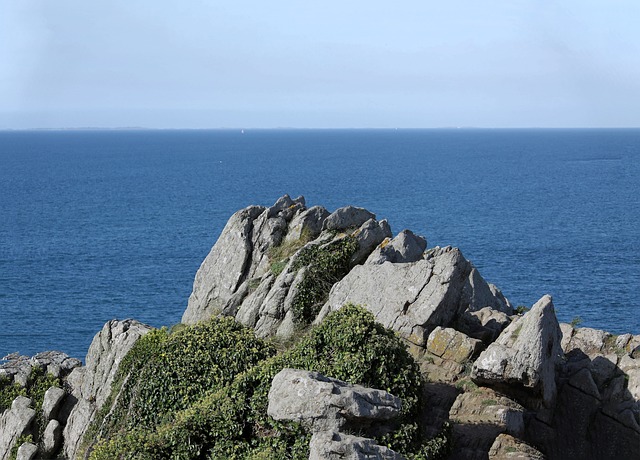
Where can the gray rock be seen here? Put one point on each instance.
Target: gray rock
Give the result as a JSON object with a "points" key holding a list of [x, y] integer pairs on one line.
{"points": [[57, 363], [405, 247], [15, 422], [91, 384], [589, 341], [224, 267], [485, 324], [414, 298], [52, 438], [526, 353], [369, 235], [507, 447], [52, 400], [452, 345], [307, 224], [27, 451], [331, 445], [346, 218], [487, 407], [326, 404]]}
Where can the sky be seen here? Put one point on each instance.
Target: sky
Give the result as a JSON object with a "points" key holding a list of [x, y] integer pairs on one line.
{"points": [[329, 64]]}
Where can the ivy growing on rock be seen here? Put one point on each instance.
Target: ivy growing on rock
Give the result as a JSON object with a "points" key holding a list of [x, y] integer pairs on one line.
{"points": [[227, 418], [324, 266]]}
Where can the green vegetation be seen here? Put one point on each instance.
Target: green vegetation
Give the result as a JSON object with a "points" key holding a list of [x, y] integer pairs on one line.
{"points": [[489, 402], [37, 385], [208, 393], [576, 321], [324, 266], [8, 392], [20, 441], [521, 309], [279, 255]]}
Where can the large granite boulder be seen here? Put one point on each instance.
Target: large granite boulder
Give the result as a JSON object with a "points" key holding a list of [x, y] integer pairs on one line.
{"points": [[329, 406], [525, 354], [414, 298], [332, 445], [91, 384], [326, 404]]}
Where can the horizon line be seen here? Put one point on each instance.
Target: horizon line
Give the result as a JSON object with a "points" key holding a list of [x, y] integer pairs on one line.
{"points": [[291, 128]]}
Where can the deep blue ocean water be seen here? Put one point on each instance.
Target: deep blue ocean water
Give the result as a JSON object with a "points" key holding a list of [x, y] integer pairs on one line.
{"points": [[96, 225]]}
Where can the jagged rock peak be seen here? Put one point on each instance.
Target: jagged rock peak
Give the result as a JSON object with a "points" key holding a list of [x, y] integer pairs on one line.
{"points": [[526, 353]]}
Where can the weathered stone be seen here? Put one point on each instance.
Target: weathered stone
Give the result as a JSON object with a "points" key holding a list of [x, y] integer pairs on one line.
{"points": [[485, 324], [487, 407], [347, 217], [526, 353], [52, 400], [507, 447], [224, 268], [368, 236], [57, 363], [27, 451], [14, 423], [450, 344], [91, 384], [414, 298], [326, 404], [307, 224], [405, 247], [52, 438], [567, 332], [331, 445], [590, 341]]}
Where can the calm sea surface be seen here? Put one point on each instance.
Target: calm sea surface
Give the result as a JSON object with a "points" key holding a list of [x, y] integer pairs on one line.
{"points": [[114, 224]]}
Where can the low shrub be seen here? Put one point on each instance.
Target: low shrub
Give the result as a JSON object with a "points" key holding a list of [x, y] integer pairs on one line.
{"points": [[230, 421]]}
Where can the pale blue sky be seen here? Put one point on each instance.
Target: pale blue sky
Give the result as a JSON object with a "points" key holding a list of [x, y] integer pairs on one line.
{"points": [[210, 64]]}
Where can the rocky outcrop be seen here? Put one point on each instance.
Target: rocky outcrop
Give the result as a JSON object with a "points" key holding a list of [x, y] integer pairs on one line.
{"points": [[254, 271], [526, 353], [414, 298], [91, 385], [507, 447], [328, 407], [18, 368], [15, 423], [479, 417]]}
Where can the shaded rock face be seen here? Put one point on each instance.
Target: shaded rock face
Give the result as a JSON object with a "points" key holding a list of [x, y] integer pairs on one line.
{"points": [[329, 406], [597, 414], [526, 353], [91, 384], [414, 298]]}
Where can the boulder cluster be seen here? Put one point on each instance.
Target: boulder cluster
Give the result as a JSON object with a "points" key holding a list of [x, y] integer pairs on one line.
{"points": [[512, 385]]}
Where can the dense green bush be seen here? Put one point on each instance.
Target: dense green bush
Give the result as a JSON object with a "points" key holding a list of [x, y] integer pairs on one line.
{"points": [[324, 266], [167, 372], [230, 421]]}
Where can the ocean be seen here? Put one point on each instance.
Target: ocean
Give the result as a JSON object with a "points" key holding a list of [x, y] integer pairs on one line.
{"points": [[96, 225]]}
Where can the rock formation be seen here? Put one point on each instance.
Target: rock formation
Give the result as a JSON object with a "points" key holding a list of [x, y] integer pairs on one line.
{"points": [[512, 386], [329, 407], [91, 384]]}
